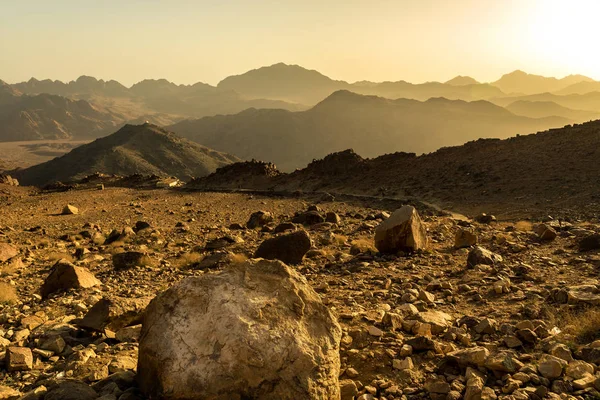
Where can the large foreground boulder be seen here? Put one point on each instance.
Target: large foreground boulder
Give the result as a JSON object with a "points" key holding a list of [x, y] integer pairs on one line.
{"points": [[255, 331], [289, 248], [402, 231], [65, 276]]}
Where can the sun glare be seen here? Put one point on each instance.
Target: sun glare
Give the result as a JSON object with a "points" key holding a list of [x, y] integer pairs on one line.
{"points": [[563, 33]]}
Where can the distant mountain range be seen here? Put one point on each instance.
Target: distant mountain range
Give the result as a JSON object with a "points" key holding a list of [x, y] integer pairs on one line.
{"points": [[371, 125], [272, 112], [47, 116], [134, 149]]}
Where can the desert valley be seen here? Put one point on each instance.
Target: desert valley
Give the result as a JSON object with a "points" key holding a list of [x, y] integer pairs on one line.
{"points": [[280, 234]]}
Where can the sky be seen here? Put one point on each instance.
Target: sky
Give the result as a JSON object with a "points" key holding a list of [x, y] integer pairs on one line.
{"points": [[377, 40]]}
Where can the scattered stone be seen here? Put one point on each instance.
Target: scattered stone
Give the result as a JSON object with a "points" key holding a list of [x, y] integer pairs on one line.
{"points": [[308, 218], [402, 231], [591, 242], [259, 219], [7, 252], [479, 255], [551, 367], [70, 210], [348, 389], [129, 259], [289, 248], [484, 218], [545, 232], [65, 276], [71, 390], [406, 363], [114, 313], [19, 359], [288, 349], [465, 238]]}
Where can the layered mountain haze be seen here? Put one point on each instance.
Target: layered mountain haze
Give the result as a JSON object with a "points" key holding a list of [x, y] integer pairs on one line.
{"points": [[46, 116], [541, 109], [519, 82], [142, 149], [369, 124]]}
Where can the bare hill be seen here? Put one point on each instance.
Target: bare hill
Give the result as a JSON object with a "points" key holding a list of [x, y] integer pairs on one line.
{"points": [[134, 149], [371, 125]]}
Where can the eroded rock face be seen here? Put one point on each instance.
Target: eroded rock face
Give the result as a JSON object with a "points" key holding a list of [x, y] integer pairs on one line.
{"points": [[402, 231], [65, 276], [257, 330]]}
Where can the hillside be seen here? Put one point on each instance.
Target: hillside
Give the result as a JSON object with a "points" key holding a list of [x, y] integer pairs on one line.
{"points": [[134, 149], [548, 173], [371, 125], [47, 116]]}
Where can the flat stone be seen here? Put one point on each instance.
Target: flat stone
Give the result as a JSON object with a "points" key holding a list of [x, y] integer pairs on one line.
{"points": [[19, 359]]}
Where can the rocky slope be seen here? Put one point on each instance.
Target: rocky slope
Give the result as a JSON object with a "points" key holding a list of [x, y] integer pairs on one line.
{"points": [[370, 125], [545, 173], [142, 149]]}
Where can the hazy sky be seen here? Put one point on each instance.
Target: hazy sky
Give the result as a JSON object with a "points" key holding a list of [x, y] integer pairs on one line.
{"points": [[206, 40]]}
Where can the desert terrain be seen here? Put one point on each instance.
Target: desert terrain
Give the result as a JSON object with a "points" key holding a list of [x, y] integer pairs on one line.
{"points": [[519, 323]]}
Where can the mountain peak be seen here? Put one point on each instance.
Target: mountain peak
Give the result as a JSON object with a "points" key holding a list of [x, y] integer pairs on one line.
{"points": [[461, 80], [134, 149]]}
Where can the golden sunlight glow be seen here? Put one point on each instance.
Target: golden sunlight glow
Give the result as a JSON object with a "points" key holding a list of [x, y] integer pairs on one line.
{"points": [[565, 33]]}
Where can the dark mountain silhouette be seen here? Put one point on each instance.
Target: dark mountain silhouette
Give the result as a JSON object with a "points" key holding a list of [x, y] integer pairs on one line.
{"points": [[296, 84], [461, 81], [369, 124], [134, 149], [541, 109], [520, 82], [548, 173], [283, 82], [48, 116]]}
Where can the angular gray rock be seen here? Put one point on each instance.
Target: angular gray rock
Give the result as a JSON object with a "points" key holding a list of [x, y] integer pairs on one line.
{"points": [[402, 231], [289, 248], [65, 276], [257, 330]]}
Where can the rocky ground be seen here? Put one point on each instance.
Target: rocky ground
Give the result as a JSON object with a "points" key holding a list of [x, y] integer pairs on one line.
{"points": [[515, 318]]}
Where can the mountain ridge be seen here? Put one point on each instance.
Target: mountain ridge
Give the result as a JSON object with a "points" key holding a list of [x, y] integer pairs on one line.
{"points": [[134, 149]]}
